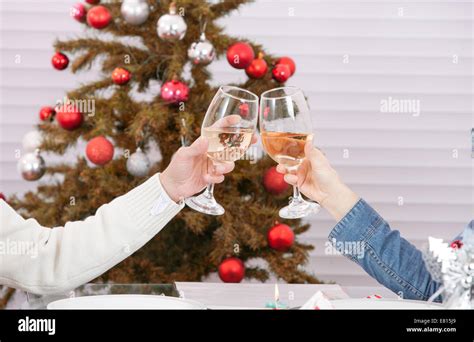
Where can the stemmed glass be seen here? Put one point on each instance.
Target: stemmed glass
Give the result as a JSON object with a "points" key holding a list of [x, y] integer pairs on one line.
{"points": [[285, 127], [229, 125]]}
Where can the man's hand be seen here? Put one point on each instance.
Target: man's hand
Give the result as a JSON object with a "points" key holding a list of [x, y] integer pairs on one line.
{"points": [[190, 170], [320, 182]]}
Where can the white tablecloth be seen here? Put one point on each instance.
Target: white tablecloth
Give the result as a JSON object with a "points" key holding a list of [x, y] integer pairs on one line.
{"points": [[257, 295]]}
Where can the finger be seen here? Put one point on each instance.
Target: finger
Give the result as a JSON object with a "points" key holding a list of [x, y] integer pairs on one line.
{"points": [[198, 147], [291, 179], [315, 156], [254, 139], [224, 167], [213, 179], [227, 121], [281, 168]]}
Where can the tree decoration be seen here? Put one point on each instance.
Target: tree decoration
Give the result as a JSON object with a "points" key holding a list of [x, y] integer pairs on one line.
{"points": [[93, 2], [99, 150], [171, 26], [32, 166], [257, 68], [32, 141], [202, 51], [2, 197], [274, 181], [60, 61], [174, 91], [231, 270], [69, 117], [240, 55], [289, 62], [47, 113], [99, 17], [280, 237], [79, 12], [121, 76], [281, 73], [138, 164], [453, 268], [135, 12]]}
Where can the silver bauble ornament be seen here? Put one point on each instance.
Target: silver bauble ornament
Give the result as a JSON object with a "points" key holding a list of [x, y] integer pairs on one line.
{"points": [[135, 12], [138, 163], [32, 141], [202, 51], [171, 26], [32, 166]]}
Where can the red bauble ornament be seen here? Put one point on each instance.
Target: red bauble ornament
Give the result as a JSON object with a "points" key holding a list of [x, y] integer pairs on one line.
{"points": [[281, 73], [121, 76], [174, 91], [280, 237], [93, 2], [69, 117], [257, 68], [456, 244], [2, 197], [79, 12], [99, 150], [60, 61], [274, 182], [232, 270], [47, 113], [287, 61], [240, 55], [99, 17]]}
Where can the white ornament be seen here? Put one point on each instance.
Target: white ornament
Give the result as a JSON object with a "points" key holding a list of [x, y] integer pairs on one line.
{"points": [[32, 166], [202, 51], [32, 141], [171, 26], [135, 12], [138, 164]]}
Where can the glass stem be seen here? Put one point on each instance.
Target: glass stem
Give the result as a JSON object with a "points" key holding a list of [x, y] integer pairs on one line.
{"points": [[209, 193], [296, 195]]}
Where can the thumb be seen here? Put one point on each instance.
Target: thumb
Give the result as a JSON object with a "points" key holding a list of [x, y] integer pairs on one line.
{"points": [[315, 156], [198, 147]]}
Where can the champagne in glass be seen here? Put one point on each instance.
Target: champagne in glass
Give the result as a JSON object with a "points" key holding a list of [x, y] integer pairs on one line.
{"points": [[285, 125], [229, 124], [286, 148]]}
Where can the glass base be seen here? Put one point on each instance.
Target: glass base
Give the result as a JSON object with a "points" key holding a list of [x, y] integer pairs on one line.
{"points": [[205, 204], [296, 210]]}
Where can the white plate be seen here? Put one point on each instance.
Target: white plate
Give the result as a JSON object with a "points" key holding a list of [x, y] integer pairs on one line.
{"points": [[384, 304], [117, 302]]}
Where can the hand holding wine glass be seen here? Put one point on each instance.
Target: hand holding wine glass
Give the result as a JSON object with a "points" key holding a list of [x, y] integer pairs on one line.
{"points": [[229, 126], [285, 125]]}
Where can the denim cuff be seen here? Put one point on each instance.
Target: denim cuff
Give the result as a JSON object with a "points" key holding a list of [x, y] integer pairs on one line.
{"points": [[358, 225]]}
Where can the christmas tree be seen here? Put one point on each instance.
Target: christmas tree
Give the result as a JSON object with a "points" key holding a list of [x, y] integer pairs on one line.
{"points": [[192, 245]]}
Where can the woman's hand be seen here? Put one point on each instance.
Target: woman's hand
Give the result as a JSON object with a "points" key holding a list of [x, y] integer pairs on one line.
{"points": [[320, 182]]}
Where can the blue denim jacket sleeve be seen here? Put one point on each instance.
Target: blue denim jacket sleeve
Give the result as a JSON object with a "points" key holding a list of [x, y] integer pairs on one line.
{"points": [[364, 237]]}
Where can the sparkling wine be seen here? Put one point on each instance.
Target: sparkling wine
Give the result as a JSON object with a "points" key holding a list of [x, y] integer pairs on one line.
{"points": [[286, 148], [227, 144]]}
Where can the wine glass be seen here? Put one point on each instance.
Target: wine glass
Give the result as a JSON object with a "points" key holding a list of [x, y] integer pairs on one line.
{"points": [[285, 127], [229, 125]]}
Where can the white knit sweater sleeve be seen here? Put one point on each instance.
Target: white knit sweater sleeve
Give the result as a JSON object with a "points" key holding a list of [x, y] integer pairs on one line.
{"points": [[51, 260]]}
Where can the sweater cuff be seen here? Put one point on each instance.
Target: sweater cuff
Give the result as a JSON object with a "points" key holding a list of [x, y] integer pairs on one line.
{"points": [[149, 204]]}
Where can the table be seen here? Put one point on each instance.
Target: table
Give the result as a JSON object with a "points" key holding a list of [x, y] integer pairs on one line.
{"points": [[222, 295]]}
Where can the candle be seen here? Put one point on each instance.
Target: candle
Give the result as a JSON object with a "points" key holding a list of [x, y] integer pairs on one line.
{"points": [[276, 304]]}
